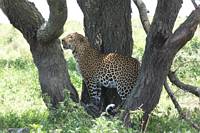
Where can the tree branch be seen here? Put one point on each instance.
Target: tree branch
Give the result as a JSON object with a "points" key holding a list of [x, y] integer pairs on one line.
{"points": [[173, 98], [189, 88], [185, 32], [163, 22], [178, 107], [195, 4], [54, 27], [16, 11], [143, 14]]}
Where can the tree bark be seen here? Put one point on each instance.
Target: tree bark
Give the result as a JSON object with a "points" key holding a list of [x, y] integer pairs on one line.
{"points": [[108, 27], [161, 47], [44, 44]]}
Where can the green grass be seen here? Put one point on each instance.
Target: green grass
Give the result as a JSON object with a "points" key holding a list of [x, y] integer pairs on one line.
{"points": [[21, 103], [19, 77]]}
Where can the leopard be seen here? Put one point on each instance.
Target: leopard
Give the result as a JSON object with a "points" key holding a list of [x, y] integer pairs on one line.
{"points": [[111, 70]]}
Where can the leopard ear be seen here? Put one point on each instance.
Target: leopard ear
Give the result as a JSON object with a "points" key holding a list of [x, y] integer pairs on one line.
{"points": [[83, 39]]}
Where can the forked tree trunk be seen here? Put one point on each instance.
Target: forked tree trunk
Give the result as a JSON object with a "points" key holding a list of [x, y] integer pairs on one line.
{"points": [[161, 47], [44, 44], [107, 25]]}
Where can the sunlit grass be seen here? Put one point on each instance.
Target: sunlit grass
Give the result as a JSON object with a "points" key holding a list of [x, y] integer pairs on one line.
{"points": [[19, 85]]}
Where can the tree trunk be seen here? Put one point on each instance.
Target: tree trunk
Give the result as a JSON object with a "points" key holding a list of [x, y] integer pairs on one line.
{"points": [[156, 59], [161, 48], [172, 44], [44, 44], [108, 27], [53, 74]]}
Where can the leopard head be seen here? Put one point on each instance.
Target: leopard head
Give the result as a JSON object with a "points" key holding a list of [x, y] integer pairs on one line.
{"points": [[74, 41]]}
